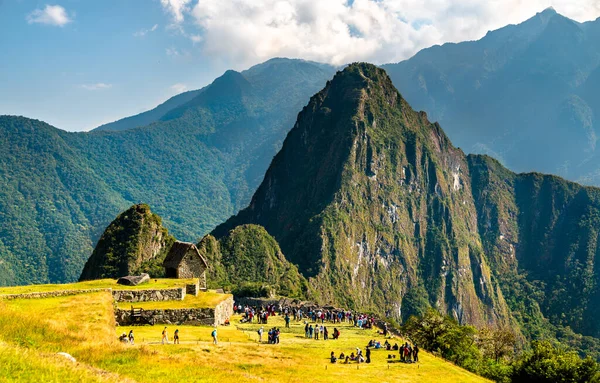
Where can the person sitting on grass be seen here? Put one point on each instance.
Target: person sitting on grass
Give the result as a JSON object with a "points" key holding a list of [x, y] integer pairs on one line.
{"points": [[336, 333], [396, 347], [352, 357], [333, 358], [342, 356]]}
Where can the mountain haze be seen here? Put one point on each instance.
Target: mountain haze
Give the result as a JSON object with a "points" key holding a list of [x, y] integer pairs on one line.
{"points": [[381, 212], [525, 94]]}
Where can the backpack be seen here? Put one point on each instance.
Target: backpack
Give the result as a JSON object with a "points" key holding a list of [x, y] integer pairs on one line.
{"points": [[214, 333]]}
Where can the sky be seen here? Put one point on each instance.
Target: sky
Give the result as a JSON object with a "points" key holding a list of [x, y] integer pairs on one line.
{"points": [[77, 64]]}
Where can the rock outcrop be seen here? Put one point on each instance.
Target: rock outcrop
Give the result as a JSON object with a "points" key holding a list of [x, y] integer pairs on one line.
{"points": [[133, 243], [134, 280]]}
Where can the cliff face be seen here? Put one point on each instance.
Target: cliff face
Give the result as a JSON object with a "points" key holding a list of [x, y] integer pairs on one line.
{"points": [[541, 235], [374, 204], [133, 243]]}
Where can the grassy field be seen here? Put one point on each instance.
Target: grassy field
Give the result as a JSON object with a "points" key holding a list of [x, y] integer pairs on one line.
{"points": [[32, 331], [97, 284]]}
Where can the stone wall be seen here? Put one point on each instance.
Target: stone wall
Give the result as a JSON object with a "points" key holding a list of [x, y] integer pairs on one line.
{"points": [[176, 294], [51, 294], [195, 316], [224, 310], [193, 289], [191, 266], [205, 316]]}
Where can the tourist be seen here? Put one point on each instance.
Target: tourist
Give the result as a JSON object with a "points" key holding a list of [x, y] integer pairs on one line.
{"points": [[287, 321], [407, 353], [306, 330], [176, 336], [401, 353], [342, 356], [336, 333], [260, 333], [325, 333], [368, 355], [165, 338], [214, 336], [416, 353], [317, 332], [311, 331], [333, 358], [130, 336]]}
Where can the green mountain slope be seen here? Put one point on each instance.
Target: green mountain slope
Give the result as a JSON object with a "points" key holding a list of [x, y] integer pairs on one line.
{"points": [[152, 115], [135, 242], [195, 166], [381, 212], [250, 260], [522, 94]]}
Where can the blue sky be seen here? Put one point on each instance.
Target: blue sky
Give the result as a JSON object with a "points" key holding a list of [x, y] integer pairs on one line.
{"points": [[96, 68], [79, 63]]}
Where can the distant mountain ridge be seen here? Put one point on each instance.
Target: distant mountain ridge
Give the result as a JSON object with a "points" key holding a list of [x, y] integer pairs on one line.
{"points": [[522, 93], [150, 116], [195, 165]]}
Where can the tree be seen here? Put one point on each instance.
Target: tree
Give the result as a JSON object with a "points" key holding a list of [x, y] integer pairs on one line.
{"points": [[549, 363]]}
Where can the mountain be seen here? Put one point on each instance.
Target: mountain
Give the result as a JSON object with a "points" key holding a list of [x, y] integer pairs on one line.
{"points": [[152, 115], [523, 94], [382, 213], [250, 260], [134, 243], [196, 165]]}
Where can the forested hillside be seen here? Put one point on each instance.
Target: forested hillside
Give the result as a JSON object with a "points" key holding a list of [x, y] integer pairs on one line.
{"points": [[195, 165]]}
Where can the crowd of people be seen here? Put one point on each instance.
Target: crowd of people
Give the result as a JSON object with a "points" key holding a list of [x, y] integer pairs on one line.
{"points": [[262, 314], [358, 357]]}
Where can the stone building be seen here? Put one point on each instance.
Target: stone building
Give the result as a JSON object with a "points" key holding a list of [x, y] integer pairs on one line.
{"points": [[184, 261]]}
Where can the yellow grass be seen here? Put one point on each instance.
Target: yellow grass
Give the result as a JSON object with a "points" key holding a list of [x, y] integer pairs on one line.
{"points": [[97, 284], [203, 300], [34, 330]]}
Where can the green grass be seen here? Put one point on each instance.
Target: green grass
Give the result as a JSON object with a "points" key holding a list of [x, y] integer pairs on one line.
{"points": [[203, 300], [33, 330], [97, 284]]}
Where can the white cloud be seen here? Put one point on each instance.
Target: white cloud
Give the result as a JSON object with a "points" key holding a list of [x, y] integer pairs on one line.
{"points": [[176, 8], [50, 15], [144, 32], [340, 31], [179, 88], [172, 52], [97, 86]]}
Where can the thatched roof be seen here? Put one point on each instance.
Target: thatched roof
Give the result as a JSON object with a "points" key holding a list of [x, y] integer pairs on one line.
{"points": [[178, 251]]}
